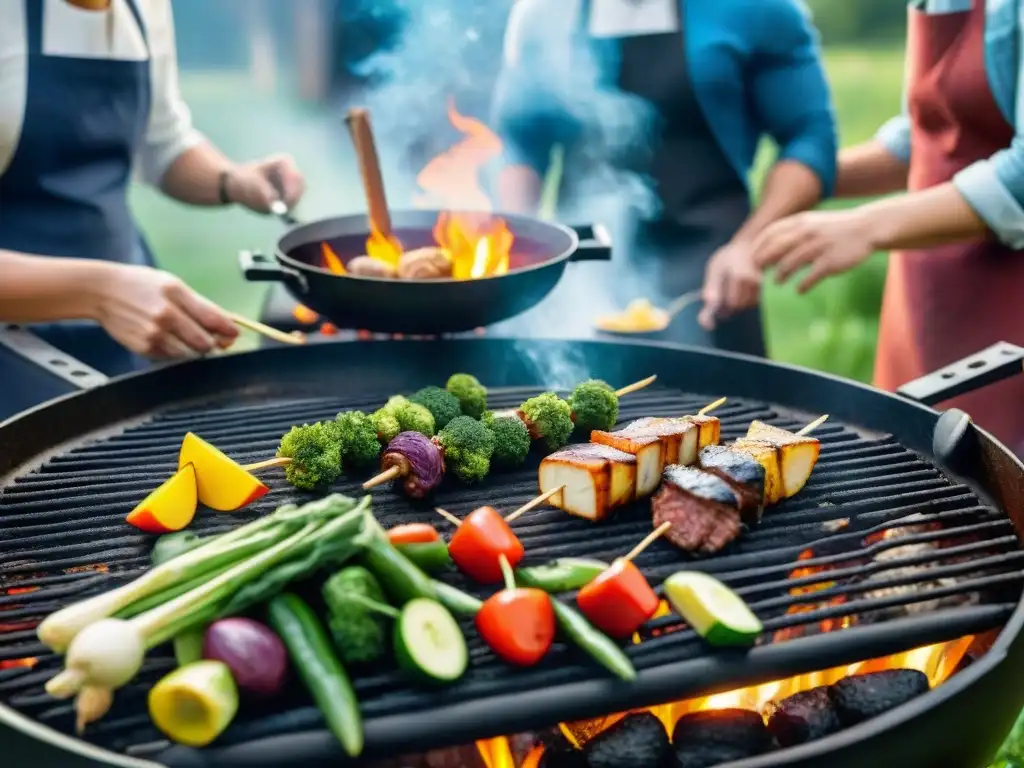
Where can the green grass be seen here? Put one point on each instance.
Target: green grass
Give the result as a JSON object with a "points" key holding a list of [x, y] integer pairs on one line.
{"points": [[833, 328]]}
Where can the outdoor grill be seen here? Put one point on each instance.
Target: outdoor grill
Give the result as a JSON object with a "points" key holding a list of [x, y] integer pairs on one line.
{"points": [[892, 477]]}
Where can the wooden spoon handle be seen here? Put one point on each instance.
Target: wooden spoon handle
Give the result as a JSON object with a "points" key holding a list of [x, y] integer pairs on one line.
{"points": [[358, 122]]}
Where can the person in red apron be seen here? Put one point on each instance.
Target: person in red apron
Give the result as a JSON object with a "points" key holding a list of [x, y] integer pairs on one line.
{"points": [[89, 93], [956, 275]]}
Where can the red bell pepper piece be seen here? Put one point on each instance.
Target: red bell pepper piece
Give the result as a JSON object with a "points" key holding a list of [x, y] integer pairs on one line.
{"points": [[413, 533], [619, 600], [480, 541], [517, 623]]}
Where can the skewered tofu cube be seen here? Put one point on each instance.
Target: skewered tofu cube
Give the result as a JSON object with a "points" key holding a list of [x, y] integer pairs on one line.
{"points": [[656, 443], [797, 454], [594, 479], [767, 455]]}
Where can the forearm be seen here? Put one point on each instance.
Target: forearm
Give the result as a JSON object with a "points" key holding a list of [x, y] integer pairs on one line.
{"points": [[194, 177], [37, 289], [869, 169], [791, 187], [932, 217]]}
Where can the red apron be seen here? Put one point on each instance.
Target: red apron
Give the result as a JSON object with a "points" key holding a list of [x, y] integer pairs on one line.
{"points": [[943, 304]]}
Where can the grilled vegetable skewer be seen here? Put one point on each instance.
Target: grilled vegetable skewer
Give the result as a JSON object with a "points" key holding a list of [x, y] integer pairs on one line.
{"points": [[616, 468]]}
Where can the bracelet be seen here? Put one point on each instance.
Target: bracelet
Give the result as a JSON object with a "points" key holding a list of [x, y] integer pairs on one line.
{"points": [[222, 188]]}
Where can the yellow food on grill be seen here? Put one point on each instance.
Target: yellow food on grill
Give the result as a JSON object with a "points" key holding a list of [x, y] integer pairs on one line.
{"points": [[766, 454], [797, 454]]}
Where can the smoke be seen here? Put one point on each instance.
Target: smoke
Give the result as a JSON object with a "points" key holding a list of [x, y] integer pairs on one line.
{"points": [[557, 369]]}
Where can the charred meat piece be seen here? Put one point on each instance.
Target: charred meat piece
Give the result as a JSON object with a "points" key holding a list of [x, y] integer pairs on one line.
{"points": [[862, 697], [743, 474], [803, 717], [636, 741], [712, 737], [767, 455], [797, 454], [596, 479], [703, 510], [655, 443]]}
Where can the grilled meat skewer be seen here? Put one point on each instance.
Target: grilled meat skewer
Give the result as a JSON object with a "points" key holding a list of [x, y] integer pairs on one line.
{"points": [[703, 509]]}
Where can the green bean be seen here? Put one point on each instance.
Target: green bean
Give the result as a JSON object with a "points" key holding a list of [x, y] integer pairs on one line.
{"points": [[402, 580], [592, 640], [457, 601], [430, 556], [310, 650], [561, 575]]}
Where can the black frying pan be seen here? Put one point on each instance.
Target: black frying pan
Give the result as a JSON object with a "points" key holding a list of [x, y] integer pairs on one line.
{"points": [[539, 257]]}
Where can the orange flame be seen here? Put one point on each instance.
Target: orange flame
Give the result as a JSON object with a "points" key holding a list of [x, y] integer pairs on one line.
{"points": [[331, 260], [386, 249]]}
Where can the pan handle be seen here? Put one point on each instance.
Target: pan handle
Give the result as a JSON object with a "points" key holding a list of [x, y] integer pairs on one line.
{"points": [[259, 268], [1000, 361], [595, 243], [44, 355]]}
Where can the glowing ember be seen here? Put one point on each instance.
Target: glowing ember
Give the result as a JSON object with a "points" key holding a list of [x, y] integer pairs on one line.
{"points": [[305, 315]]}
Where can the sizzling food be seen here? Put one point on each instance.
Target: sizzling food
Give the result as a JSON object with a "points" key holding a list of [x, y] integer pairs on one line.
{"points": [[703, 509], [594, 479]]}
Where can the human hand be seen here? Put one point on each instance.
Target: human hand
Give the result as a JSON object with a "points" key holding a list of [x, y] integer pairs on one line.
{"points": [[829, 242], [153, 313], [731, 282], [258, 184]]}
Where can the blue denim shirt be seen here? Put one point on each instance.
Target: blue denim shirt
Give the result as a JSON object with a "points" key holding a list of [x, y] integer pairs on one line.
{"points": [[755, 65], [994, 187]]}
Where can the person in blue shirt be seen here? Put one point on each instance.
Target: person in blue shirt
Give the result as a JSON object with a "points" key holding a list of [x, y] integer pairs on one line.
{"points": [[670, 98]]}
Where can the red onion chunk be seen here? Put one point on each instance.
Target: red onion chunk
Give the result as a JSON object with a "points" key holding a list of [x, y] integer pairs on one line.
{"points": [[426, 466], [255, 655]]}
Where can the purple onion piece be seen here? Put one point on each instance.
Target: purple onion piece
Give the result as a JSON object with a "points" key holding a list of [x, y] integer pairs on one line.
{"points": [[426, 465], [255, 655]]}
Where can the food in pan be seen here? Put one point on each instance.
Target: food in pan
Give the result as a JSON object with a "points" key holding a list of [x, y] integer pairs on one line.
{"points": [[594, 479], [368, 266], [511, 440], [170, 507], [223, 484], [712, 610], [441, 403], [471, 394], [639, 316], [703, 509], [315, 455], [430, 263]]}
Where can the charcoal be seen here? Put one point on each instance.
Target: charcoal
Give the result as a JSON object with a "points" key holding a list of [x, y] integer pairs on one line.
{"points": [[713, 737], [862, 697], [636, 741], [803, 717], [559, 753]]}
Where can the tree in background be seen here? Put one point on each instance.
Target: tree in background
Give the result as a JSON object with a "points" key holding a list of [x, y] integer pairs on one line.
{"points": [[848, 21]]}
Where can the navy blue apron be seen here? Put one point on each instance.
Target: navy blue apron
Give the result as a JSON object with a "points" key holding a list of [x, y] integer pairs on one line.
{"points": [[64, 192]]}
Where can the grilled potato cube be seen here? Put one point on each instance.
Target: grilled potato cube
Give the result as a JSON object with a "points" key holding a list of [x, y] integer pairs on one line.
{"points": [[710, 429], [594, 479], [649, 450], [797, 454], [767, 455]]}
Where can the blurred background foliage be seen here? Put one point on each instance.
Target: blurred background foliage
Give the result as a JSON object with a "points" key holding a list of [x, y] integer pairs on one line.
{"points": [[246, 72]]}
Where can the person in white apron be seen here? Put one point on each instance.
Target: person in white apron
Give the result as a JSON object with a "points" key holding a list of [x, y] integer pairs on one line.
{"points": [[88, 93], [672, 96]]}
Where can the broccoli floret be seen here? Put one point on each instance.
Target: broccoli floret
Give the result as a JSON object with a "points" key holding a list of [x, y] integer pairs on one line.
{"points": [[413, 417], [468, 446], [443, 406], [359, 631], [594, 405], [386, 424], [551, 418], [395, 402], [315, 455], [471, 394], [511, 440], [357, 435]]}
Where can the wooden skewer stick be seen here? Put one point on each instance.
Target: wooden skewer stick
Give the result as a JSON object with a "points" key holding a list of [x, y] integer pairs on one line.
{"points": [[813, 425], [448, 516], [637, 385], [266, 330], [533, 503], [277, 461], [384, 477], [712, 406], [652, 537], [358, 122]]}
